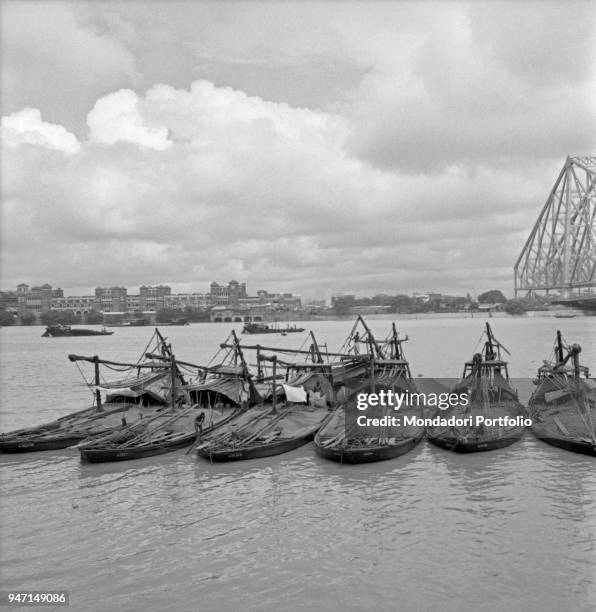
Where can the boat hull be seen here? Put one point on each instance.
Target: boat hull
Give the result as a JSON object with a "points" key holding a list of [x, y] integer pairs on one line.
{"points": [[31, 446], [458, 445], [75, 333], [368, 454], [104, 455], [256, 451], [575, 446], [61, 433]]}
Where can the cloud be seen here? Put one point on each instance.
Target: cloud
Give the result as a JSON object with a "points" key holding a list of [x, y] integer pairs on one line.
{"points": [[53, 60], [26, 126], [116, 118], [471, 93], [208, 183]]}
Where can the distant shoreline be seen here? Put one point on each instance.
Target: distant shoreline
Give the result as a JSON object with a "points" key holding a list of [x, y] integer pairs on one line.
{"points": [[384, 316]]}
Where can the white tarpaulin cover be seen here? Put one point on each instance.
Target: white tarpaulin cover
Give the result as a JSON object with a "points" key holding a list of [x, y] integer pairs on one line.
{"points": [[124, 391], [294, 394]]}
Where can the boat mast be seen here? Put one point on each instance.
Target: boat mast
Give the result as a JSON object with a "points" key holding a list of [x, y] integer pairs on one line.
{"points": [[399, 354], [97, 383], [371, 339], [167, 352], [559, 349], [173, 372], [259, 368], [274, 384], [396, 346], [576, 350], [315, 350], [489, 352], [238, 353]]}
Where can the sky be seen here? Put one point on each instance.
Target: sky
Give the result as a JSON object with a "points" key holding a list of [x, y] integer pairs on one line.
{"points": [[308, 147]]}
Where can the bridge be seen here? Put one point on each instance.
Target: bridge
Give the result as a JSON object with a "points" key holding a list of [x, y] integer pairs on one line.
{"points": [[560, 253], [585, 302]]}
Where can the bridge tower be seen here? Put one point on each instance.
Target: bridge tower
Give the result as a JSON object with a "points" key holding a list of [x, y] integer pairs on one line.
{"points": [[560, 253]]}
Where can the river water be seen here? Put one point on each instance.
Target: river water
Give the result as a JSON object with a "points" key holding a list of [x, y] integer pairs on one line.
{"points": [[513, 529]]}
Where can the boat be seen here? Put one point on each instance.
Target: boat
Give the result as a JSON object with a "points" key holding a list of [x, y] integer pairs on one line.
{"points": [[169, 430], [485, 383], [563, 405], [287, 416], [264, 328], [59, 330], [561, 315], [273, 428], [140, 394], [343, 439]]}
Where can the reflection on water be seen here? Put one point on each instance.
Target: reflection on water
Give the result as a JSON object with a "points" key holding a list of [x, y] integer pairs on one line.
{"points": [[513, 529]]}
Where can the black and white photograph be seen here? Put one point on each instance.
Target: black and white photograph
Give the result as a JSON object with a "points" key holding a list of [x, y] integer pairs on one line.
{"points": [[298, 305]]}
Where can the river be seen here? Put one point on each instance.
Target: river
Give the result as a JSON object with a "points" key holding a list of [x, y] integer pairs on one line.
{"points": [[513, 529]]}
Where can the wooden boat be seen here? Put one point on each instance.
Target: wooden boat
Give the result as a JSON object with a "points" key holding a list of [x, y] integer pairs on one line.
{"points": [[563, 405], [59, 331], [170, 430], [342, 439], [263, 328], [486, 381], [65, 431], [287, 416], [140, 394]]}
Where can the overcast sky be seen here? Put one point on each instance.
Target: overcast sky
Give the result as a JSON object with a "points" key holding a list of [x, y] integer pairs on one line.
{"points": [[314, 147]]}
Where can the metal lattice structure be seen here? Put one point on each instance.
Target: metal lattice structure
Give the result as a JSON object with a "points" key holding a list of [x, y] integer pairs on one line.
{"points": [[560, 253]]}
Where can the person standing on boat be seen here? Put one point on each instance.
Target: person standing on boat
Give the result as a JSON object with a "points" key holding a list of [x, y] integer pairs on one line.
{"points": [[199, 424]]}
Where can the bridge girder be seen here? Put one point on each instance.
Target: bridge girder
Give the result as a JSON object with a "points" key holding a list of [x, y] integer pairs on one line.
{"points": [[560, 252]]}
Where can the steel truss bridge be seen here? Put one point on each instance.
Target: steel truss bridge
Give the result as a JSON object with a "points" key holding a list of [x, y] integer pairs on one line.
{"points": [[560, 253]]}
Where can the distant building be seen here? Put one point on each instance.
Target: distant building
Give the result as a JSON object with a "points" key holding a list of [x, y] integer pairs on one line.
{"points": [[221, 295], [280, 301], [116, 302], [80, 305], [180, 301], [34, 299], [315, 305], [111, 299], [153, 298], [228, 314]]}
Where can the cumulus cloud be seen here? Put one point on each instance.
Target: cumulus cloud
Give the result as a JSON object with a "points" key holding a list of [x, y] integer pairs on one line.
{"points": [[27, 126], [52, 57], [244, 187], [116, 118]]}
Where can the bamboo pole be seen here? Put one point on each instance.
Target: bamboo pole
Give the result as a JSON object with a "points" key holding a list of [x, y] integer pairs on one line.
{"points": [[97, 384]]}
